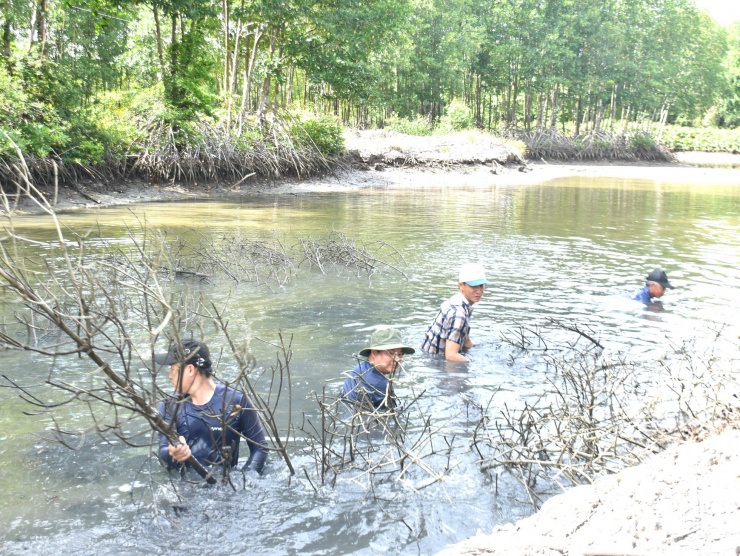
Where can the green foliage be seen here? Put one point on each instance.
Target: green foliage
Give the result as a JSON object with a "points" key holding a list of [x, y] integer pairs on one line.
{"points": [[109, 69], [516, 145], [32, 123], [679, 138], [190, 88], [410, 126], [457, 117], [642, 141], [323, 133]]}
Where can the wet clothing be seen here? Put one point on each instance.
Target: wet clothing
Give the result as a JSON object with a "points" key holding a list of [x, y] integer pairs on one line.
{"points": [[642, 295], [366, 383], [203, 427], [451, 323]]}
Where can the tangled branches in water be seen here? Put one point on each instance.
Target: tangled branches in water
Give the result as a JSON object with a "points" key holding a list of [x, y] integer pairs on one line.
{"points": [[359, 443], [107, 309], [243, 259], [600, 413]]}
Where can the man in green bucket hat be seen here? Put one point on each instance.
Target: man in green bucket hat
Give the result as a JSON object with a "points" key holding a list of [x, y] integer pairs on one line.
{"points": [[368, 384]]}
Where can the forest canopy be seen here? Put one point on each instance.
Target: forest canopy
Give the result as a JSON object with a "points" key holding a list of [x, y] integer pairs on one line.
{"points": [[86, 80]]}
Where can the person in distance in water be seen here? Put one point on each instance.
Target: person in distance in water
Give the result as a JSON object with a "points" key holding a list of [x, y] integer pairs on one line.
{"points": [[654, 288], [449, 333], [210, 418]]}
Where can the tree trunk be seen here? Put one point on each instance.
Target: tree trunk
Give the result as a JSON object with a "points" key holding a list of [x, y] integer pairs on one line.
{"points": [[513, 102], [43, 9], [7, 36], [554, 107], [173, 73], [613, 107], [663, 119], [236, 58], [248, 73], [32, 25], [264, 103], [227, 54], [541, 115], [478, 102], [158, 33]]}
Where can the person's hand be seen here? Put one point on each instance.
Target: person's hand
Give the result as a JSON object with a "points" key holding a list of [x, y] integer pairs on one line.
{"points": [[181, 452]]}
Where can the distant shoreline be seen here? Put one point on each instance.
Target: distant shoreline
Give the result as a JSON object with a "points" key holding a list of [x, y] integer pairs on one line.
{"points": [[373, 163]]}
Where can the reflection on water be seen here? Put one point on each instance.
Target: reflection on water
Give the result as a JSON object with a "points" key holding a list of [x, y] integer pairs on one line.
{"points": [[566, 250]]}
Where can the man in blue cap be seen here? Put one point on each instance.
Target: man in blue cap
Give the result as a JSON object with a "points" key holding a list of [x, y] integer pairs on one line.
{"points": [[655, 286], [449, 334], [368, 383]]}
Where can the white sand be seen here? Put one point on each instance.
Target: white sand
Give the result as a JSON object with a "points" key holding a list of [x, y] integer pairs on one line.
{"points": [[684, 501]]}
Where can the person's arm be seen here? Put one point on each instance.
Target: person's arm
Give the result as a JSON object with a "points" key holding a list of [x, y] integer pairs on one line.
{"points": [[452, 352], [165, 448], [468, 343], [453, 335], [252, 431]]}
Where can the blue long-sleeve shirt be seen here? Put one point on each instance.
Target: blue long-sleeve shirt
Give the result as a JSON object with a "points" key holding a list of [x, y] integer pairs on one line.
{"points": [[210, 428], [642, 294], [366, 382]]}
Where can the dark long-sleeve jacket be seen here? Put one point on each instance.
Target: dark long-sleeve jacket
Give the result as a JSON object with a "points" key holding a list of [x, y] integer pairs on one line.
{"points": [[214, 430]]}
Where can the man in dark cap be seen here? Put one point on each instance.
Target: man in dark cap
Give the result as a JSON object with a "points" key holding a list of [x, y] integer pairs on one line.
{"points": [[655, 286], [367, 384], [210, 418]]}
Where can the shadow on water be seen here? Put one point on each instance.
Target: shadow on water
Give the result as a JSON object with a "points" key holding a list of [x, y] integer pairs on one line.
{"points": [[566, 250]]}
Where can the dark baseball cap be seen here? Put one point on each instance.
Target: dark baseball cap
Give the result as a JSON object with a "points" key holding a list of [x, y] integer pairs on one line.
{"points": [[189, 352], [660, 277]]}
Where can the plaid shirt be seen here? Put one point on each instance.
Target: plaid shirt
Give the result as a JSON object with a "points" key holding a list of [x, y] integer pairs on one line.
{"points": [[451, 323]]}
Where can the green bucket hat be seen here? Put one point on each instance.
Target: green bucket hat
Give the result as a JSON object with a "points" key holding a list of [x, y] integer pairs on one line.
{"points": [[386, 338]]}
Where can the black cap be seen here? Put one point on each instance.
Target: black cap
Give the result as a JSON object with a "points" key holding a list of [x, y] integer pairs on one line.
{"points": [[194, 352], [660, 277]]}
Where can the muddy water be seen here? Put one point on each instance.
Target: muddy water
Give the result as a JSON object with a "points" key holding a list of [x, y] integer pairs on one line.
{"points": [[567, 249]]}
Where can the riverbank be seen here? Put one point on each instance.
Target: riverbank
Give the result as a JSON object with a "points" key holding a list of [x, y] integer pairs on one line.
{"points": [[386, 160], [683, 501]]}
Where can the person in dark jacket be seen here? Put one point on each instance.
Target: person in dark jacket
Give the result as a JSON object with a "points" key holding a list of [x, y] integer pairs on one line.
{"points": [[654, 288], [210, 418], [368, 384]]}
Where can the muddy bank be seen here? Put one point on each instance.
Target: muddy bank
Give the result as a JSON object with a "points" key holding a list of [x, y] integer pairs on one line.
{"points": [[385, 160], [684, 501]]}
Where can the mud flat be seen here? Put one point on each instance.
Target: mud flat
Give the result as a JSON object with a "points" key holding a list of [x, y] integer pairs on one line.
{"points": [[683, 501]]}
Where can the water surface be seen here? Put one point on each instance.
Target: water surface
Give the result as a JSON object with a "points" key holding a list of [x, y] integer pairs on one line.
{"points": [[568, 249]]}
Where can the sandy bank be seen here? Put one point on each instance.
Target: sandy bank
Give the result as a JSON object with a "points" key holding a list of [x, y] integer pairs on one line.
{"points": [[684, 501]]}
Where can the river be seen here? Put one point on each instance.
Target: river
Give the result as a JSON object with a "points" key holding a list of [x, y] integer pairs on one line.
{"points": [[568, 249]]}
